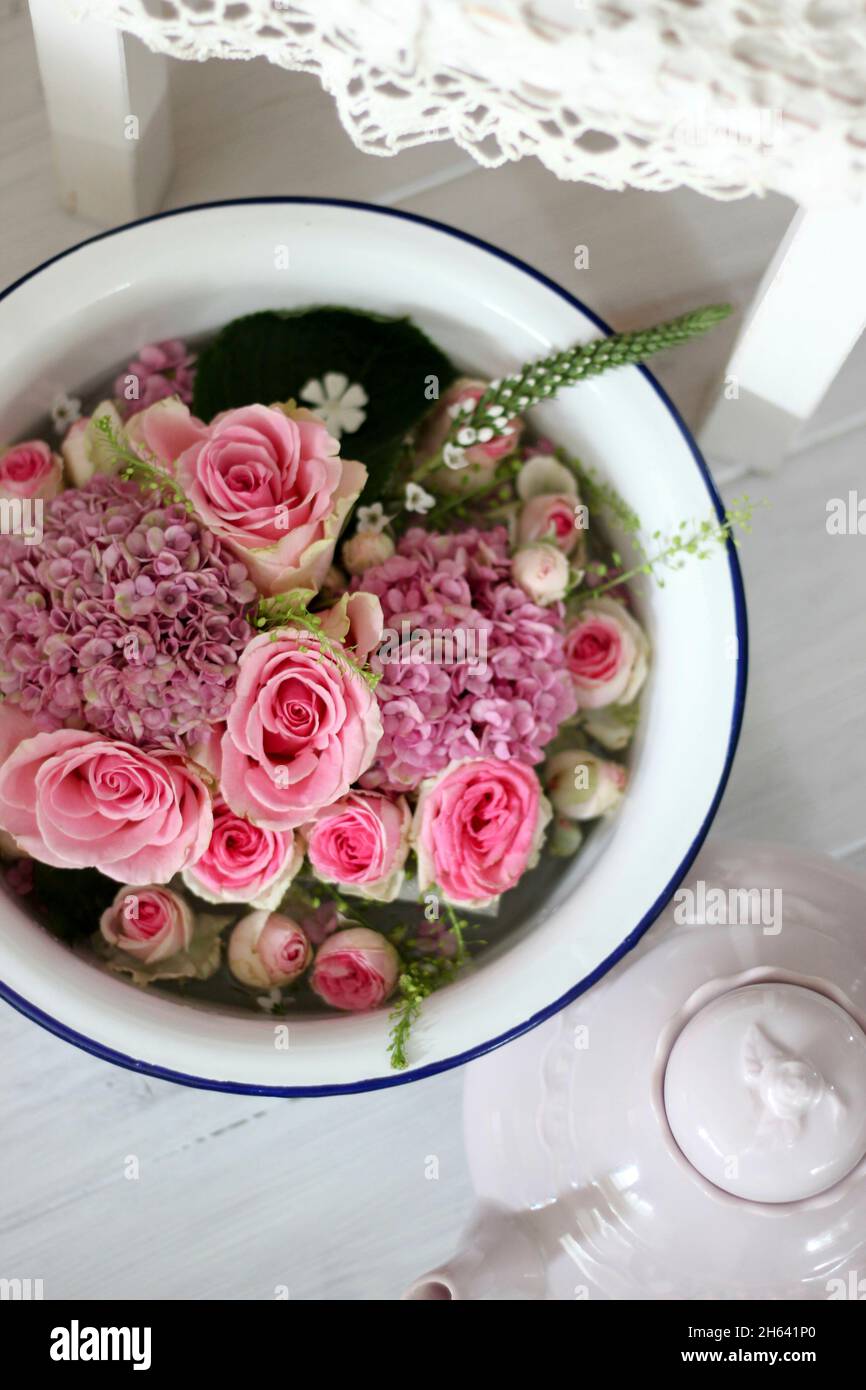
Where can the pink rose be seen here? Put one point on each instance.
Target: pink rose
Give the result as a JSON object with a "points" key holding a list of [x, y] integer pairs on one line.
{"points": [[583, 786], [267, 950], [478, 827], [30, 470], [542, 572], [273, 487], [244, 863], [150, 923], [355, 969], [550, 517], [302, 728], [607, 654], [76, 800], [163, 431], [360, 843]]}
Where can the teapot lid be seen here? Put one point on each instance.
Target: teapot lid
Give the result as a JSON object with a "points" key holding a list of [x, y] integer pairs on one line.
{"points": [[765, 1092]]}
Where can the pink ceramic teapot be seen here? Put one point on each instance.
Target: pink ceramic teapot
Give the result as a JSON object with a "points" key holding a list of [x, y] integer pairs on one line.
{"points": [[695, 1125]]}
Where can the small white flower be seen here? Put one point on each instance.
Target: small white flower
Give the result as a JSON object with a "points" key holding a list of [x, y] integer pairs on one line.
{"points": [[467, 436], [485, 435], [494, 411], [372, 518], [337, 403], [453, 456], [65, 410], [465, 407], [268, 1002], [417, 500]]}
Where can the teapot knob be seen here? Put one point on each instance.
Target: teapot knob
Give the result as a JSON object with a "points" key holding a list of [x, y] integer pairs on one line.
{"points": [[765, 1092]]}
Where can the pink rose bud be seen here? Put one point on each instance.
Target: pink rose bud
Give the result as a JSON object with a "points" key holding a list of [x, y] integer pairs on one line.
{"points": [[606, 653], [480, 460], [355, 969], [552, 518], [542, 572], [360, 843], [267, 949], [150, 923], [366, 549], [583, 786], [478, 827], [30, 470]]}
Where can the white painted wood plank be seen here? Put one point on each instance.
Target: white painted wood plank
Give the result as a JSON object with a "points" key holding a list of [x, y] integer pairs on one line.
{"points": [[236, 1195], [800, 771], [107, 101]]}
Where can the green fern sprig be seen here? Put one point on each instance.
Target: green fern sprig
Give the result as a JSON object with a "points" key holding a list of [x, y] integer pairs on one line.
{"points": [[676, 549], [290, 610], [417, 981], [149, 476]]}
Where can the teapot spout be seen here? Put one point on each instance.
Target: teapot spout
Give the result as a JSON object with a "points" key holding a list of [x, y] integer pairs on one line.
{"points": [[500, 1260]]}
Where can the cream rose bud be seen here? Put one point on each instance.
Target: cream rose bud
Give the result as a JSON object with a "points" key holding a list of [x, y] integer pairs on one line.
{"points": [[541, 571], [612, 727], [543, 475], [267, 949], [86, 450], [150, 923], [583, 786], [565, 837], [366, 549]]}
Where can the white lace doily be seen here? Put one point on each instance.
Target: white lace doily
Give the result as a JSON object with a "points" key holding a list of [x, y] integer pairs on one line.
{"points": [[729, 97]]}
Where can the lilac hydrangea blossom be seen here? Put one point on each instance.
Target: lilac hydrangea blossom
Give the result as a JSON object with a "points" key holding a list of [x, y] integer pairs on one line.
{"points": [[128, 618], [507, 703]]}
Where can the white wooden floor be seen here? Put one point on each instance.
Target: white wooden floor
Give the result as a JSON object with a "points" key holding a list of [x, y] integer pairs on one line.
{"points": [[329, 1198]]}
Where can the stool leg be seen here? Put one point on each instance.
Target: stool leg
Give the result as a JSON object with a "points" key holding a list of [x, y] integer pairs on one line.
{"points": [[108, 107], [807, 315]]}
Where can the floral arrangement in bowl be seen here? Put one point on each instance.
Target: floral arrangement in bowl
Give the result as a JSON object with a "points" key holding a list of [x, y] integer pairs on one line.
{"points": [[303, 670]]}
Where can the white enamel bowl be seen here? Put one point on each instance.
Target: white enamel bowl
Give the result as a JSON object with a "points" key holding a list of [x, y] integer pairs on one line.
{"points": [[73, 321]]}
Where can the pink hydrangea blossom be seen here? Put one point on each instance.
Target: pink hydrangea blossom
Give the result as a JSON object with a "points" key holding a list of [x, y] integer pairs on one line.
{"points": [[129, 617], [509, 695], [160, 370]]}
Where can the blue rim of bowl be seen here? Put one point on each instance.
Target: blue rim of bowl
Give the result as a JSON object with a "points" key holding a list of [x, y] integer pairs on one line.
{"points": [[403, 1078]]}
